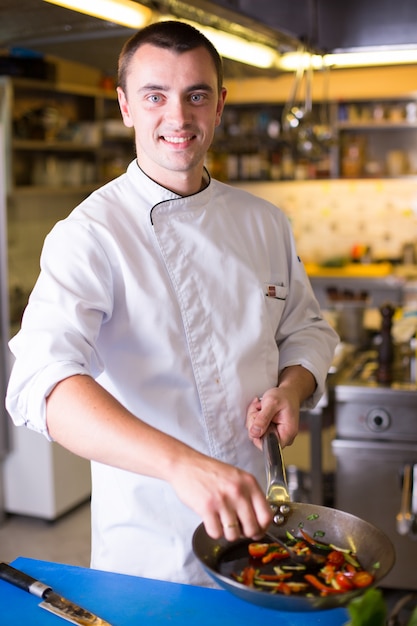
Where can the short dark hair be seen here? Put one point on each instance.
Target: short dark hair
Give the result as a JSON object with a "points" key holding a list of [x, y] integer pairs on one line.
{"points": [[172, 35]]}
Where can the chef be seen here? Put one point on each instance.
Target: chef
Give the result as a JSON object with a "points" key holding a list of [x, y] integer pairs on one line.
{"points": [[171, 323]]}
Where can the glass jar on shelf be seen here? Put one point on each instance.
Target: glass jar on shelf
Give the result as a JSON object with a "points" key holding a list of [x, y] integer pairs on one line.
{"points": [[353, 156]]}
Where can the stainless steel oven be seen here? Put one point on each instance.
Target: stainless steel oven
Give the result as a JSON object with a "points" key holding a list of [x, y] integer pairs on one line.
{"points": [[376, 460]]}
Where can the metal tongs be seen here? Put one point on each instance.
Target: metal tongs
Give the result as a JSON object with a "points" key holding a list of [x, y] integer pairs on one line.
{"points": [[277, 492]]}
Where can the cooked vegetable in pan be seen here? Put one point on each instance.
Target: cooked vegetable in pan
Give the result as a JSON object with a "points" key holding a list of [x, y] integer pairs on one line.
{"points": [[307, 566]]}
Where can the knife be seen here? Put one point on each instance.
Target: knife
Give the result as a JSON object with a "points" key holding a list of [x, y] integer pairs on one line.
{"points": [[52, 601]]}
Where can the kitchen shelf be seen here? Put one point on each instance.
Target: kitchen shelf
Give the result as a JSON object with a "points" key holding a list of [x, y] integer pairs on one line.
{"points": [[376, 126], [69, 135], [250, 145], [351, 270], [245, 149], [376, 138], [47, 190], [52, 146]]}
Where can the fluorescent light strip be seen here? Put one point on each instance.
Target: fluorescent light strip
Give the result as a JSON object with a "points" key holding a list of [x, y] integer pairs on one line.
{"points": [[238, 49], [360, 58], [124, 12], [371, 58], [234, 47], [134, 15]]}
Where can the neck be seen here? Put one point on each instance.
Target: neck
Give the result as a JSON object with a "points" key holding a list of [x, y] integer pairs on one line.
{"points": [[180, 185]]}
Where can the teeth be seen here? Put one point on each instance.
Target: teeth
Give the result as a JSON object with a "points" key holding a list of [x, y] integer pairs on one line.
{"points": [[177, 139]]}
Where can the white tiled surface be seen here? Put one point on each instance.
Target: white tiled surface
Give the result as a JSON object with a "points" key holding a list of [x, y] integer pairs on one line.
{"points": [[329, 217]]}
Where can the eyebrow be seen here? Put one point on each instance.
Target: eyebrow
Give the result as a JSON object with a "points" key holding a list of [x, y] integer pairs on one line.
{"points": [[196, 87]]}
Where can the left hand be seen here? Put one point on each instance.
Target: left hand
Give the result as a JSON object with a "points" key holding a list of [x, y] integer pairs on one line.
{"points": [[281, 406], [278, 407]]}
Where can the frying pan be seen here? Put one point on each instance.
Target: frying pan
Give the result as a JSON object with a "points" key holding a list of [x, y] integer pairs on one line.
{"points": [[342, 529]]}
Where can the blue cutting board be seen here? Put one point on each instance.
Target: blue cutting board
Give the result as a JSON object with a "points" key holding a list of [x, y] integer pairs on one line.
{"points": [[131, 601]]}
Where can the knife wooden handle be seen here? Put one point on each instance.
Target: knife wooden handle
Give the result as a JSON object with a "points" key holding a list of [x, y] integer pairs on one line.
{"points": [[22, 580]]}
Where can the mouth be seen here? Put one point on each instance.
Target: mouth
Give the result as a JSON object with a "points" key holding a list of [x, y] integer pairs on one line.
{"points": [[177, 140]]}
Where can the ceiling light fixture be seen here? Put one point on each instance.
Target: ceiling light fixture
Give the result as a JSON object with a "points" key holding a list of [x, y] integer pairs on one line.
{"points": [[368, 58], [235, 47], [349, 59], [134, 15], [124, 12]]}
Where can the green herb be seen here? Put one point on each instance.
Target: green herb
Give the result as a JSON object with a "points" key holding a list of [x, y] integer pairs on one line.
{"points": [[368, 609], [312, 517]]}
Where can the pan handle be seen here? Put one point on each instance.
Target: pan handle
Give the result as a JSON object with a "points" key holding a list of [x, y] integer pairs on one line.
{"points": [[277, 492]]}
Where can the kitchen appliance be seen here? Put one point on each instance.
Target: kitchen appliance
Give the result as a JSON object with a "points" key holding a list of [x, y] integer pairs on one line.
{"points": [[368, 542], [376, 456]]}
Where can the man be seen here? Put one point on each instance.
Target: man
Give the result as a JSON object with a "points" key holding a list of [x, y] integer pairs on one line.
{"points": [[167, 305]]}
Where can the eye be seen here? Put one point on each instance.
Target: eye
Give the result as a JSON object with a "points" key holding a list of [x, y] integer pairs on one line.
{"points": [[197, 97], [153, 97]]}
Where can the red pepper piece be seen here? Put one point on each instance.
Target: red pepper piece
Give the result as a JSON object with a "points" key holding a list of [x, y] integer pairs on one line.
{"points": [[313, 580], [312, 541], [248, 575], [284, 588], [274, 577], [275, 554]]}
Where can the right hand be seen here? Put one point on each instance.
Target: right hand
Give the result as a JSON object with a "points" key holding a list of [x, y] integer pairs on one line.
{"points": [[229, 500]]}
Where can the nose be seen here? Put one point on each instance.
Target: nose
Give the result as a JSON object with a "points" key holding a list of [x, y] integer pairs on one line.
{"points": [[178, 111]]}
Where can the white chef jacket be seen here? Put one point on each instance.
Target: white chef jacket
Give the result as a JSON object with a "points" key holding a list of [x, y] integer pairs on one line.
{"points": [[183, 308]]}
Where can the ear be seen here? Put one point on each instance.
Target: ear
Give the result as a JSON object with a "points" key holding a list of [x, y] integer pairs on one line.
{"points": [[220, 105], [124, 108]]}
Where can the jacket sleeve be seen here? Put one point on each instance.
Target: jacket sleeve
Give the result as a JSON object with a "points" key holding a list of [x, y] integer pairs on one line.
{"points": [[304, 337], [60, 323]]}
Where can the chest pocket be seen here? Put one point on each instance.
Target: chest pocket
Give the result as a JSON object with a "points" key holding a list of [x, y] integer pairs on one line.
{"points": [[277, 292], [275, 297]]}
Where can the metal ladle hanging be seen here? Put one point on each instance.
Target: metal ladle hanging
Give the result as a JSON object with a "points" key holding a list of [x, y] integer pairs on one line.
{"points": [[323, 129], [306, 141], [292, 113], [297, 119], [308, 138]]}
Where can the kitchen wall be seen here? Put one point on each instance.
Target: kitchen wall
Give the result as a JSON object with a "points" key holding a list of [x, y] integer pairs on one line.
{"points": [[329, 217]]}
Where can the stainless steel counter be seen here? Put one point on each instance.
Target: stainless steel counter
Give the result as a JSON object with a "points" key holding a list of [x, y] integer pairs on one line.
{"points": [[380, 290]]}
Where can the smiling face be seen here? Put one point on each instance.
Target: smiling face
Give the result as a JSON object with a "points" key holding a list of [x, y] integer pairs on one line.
{"points": [[172, 102]]}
